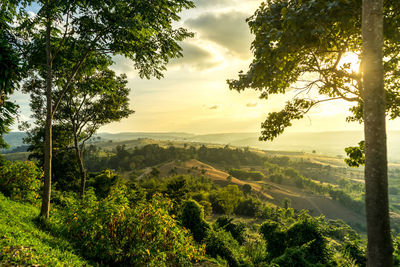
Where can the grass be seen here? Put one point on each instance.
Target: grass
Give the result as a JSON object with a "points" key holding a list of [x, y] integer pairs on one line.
{"points": [[22, 243]]}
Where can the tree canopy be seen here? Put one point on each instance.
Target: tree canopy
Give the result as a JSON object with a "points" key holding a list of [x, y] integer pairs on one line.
{"points": [[303, 45], [140, 30], [10, 68]]}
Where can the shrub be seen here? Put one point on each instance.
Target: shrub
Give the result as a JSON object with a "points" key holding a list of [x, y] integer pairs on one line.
{"points": [[221, 243], [207, 207], [193, 218], [294, 257], [226, 199], [237, 230], [248, 207], [302, 242], [102, 182], [20, 180], [274, 237], [112, 232], [256, 251]]}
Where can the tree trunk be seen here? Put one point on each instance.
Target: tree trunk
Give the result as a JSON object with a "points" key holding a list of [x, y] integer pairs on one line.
{"points": [[45, 209], [379, 249], [82, 170]]}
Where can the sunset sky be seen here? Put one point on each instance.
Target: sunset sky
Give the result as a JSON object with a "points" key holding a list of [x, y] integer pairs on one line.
{"points": [[194, 96]]}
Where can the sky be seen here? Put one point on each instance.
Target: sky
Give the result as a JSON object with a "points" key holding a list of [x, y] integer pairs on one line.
{"points": [[194, 97]]}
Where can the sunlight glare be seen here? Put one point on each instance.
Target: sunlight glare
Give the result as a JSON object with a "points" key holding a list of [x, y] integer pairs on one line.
{"points": [[353, 60]]}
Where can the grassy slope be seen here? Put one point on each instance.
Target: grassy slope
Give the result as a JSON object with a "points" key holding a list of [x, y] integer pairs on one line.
{"points": [[274, 193], [23, 244]]}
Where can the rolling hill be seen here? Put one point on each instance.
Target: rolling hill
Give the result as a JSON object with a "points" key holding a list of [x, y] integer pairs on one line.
{"points": [[272, 193]]}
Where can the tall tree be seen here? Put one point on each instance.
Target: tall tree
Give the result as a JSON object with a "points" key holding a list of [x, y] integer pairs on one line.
{"points": [[379, 249], [97, 96], [302, 46], [140, 30], [10, 67]]}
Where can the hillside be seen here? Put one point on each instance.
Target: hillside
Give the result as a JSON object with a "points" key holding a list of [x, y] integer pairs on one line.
{"points": [[22, 243], [271, 192], [328, 143], [196, 167]]}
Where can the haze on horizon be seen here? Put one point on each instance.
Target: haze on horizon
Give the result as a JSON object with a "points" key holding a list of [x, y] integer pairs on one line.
{"points": [[193, 96]]}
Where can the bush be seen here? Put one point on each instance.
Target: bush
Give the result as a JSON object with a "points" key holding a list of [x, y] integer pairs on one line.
{"points": [[256, 250], [248, 207], [102, 182], [294, 257], [20, 180], [237, 230], [193, 219], [113, 233], [302, 243], [221, 243], [207, 207]]}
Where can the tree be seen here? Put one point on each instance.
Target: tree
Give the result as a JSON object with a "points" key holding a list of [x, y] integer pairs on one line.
{"points": [[379, 248], [246, 189], [305, 45], [10, 68], [66, 172], [96, 97], [140, 30]]}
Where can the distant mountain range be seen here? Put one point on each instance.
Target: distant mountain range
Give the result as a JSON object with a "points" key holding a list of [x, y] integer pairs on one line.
{"points": [[329, 143]]}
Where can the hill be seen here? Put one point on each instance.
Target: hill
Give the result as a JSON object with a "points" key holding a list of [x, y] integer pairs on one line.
{"points": [[22, 243], [273, 193], [328, 143]]}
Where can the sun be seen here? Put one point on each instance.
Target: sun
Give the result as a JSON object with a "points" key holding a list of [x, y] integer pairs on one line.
{"points": [[352, 59]]}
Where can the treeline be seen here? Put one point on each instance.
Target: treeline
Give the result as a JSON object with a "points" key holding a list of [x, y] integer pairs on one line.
{"points": [[247, 175], [140, 157]]}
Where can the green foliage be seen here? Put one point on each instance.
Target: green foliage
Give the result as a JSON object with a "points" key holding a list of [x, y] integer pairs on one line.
{"points": [[256, 251], [177, 189], [22, 243], [207, 207], [354, 249], [10, 67], [20, 180], [155, 172], [276, 178], [296, 40], [295, 257], [276, 122], [248, 207], [103, 182], [246, 175], [151, 155], [65, 169], [355, 155], [221, 243], [193, 219], [237, 230], [225, 200], [246, 189], [396, 251], [286, 203], [114, 232], [301, 241], [274, 237]]}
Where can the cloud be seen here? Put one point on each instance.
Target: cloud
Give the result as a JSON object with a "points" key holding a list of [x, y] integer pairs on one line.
{"points": [[252, 104], [196, 57], [206, 3], [229, 30], [214, 107]]}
